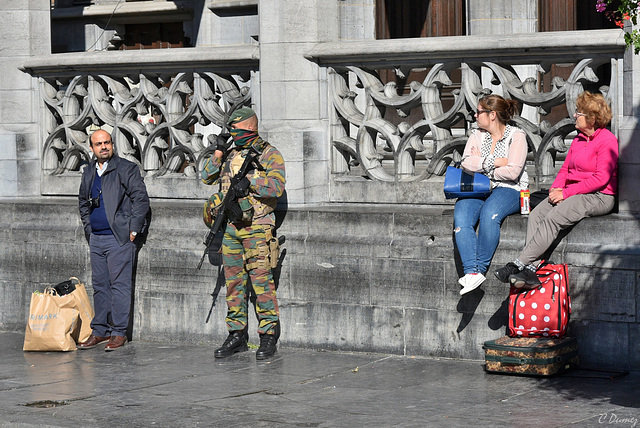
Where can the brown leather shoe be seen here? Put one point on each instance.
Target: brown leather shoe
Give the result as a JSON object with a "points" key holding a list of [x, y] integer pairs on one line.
{"points": [[115, 342], [92, 342]]}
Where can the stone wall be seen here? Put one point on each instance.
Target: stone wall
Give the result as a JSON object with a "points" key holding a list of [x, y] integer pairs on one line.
{"points": [[26, 36], [371, 278], [355, 275]]}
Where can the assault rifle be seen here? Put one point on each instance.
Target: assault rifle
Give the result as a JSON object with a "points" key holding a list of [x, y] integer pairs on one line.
{"points": [[216, 291], [229, 209]]}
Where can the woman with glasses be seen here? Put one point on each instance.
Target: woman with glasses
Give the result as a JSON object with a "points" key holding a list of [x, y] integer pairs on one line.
{"points": [[586, 186], [498, 150]]}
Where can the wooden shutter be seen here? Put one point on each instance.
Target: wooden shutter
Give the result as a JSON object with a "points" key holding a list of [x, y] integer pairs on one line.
{"points": [[568, 15], [419, 18]]}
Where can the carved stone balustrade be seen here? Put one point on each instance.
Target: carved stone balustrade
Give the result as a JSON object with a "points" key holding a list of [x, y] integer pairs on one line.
{"points": [[401, 109], [164, 111]]}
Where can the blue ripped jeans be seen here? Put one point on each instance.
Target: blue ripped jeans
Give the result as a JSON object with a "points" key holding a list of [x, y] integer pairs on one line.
{"points": [[476, 250]]}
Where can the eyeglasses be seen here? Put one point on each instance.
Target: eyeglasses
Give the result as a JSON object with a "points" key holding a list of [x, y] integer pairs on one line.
{"points": [[100, 143], [579, 114], [479, 112]]}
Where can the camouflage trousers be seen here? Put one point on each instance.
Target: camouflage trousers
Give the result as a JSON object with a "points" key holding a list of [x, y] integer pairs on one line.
{"points": [[243, 259]]}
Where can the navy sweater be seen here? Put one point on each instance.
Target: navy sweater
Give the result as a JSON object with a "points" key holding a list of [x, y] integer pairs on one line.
{"points": [[98, 216]]}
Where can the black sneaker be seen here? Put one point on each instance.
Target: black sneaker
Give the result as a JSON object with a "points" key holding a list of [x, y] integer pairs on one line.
{"points": [[236, 342], [526, 279], [506, 271], [267, 346]]}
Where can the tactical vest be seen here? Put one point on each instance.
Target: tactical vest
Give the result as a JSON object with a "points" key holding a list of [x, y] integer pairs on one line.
{"points": [[261, 206]]}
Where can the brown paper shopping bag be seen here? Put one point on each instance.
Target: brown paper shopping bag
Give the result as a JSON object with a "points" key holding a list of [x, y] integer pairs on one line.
{"points": [[83, 304], [52, 320]]}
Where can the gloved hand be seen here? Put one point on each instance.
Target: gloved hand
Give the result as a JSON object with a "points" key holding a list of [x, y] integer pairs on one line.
{"points": [[242, 187], [222, 142]]}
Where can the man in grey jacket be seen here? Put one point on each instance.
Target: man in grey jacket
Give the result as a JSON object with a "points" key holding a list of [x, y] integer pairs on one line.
{"points": [[113, 205]]}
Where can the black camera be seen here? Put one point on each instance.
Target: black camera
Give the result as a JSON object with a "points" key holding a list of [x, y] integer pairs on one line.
{"points": [[95, 202]]}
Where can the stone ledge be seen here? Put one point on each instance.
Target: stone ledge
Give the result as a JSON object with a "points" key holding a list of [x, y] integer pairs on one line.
{"points": [[135, 12], [225, 5], [431, 50], [353, 277], [235, 59]]}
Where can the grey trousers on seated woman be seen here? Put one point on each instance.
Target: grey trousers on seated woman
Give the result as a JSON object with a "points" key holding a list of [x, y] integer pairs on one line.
{"points": [[547, 220]]}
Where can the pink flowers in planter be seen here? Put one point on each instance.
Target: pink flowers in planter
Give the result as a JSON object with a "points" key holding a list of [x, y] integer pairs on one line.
{"points": [[628, 10], [601, 5]]}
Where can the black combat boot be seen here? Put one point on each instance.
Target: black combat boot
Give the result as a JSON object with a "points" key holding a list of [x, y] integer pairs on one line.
{"points": [[268, 344], [236, 342]]}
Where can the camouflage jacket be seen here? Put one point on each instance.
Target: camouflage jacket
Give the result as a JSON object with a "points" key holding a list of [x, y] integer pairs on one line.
{"points": [[266, 186]]}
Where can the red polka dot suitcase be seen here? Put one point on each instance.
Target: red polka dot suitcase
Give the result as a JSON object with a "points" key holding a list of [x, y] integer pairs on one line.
{"points": [[543, 311]]}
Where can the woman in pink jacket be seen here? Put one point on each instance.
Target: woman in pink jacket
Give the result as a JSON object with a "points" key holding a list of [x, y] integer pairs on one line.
{"points": [[585, 187]]}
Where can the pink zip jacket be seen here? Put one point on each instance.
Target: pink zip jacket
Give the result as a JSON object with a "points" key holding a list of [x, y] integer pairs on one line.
{"points": [[591, 165]]}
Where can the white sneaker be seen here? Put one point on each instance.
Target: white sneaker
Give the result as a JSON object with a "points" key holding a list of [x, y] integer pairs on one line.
{"points": [[471, 282], [463, 281]]}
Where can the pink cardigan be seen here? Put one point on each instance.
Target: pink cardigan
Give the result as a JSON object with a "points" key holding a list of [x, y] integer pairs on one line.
{"points": [[591, 165]]}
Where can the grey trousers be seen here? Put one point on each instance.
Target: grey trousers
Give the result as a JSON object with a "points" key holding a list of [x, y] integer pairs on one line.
{"points": [[111, 277], [547, 220]]}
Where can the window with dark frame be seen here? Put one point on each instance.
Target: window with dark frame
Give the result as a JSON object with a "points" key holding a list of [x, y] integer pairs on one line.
{"points": [[435, 18], [570, 15], [419, 18], [154, 36]]}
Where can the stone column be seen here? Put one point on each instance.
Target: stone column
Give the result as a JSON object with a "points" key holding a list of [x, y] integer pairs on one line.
{"points": [[629, 135], [24, 32], [292, 93], [504, 17], [357, 19]]}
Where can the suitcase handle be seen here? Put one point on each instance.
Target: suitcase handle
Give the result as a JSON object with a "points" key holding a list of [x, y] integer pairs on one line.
{"points": [[513, 360]]}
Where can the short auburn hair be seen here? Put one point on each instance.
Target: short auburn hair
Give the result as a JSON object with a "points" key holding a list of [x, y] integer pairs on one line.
{"points": [[595, 107]]}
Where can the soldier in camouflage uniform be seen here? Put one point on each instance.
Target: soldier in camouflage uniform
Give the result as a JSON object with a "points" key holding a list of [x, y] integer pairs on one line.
{"points": [[246, 243]]}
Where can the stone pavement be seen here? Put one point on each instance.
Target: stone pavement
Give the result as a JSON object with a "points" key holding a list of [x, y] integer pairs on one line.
{"points": [[176, 385]]}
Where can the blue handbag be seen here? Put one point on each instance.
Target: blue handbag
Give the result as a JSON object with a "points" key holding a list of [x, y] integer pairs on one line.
{"points": [[461, 184]]}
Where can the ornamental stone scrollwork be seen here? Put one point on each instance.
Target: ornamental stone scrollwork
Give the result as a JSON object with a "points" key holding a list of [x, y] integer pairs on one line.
{"points": [[163, 123], [388, 135]]}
